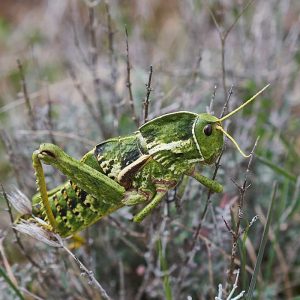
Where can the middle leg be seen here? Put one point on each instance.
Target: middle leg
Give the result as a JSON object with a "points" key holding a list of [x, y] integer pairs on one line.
{"points": [[139, 217]]}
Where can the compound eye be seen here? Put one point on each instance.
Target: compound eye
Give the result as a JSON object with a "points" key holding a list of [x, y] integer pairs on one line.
{"points": [[207, 130]]}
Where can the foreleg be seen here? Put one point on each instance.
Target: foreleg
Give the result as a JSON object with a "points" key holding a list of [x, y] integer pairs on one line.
{"points": [[149, 207], [211, 184]]}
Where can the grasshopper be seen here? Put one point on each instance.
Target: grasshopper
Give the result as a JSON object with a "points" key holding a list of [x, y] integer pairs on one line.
{"points": [[135, 169]]}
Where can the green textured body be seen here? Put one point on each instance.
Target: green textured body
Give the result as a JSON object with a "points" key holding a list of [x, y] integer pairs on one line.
{"points": [[139, 168]]}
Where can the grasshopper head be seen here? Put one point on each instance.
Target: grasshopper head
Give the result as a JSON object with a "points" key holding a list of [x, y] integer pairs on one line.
{"points": [[208, 138], [208, 133]]}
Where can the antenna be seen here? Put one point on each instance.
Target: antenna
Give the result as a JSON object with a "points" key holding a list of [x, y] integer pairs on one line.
{"points": [[233, 140], [243, 105]]}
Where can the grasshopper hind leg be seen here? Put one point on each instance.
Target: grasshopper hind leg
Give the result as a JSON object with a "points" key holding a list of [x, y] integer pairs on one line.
{"points": [[80, 203], [73, 209]]}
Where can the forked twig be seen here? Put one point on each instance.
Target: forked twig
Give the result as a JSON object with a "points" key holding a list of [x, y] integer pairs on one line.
{"points": [[223, 34], [234, 287], [235, 233]]}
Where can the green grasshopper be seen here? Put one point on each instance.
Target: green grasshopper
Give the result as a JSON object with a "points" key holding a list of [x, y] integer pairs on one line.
{"points": [[135, 169]]}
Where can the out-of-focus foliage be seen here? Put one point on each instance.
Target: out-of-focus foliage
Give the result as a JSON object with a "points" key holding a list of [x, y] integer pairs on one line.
{"points": [[54, 39]]}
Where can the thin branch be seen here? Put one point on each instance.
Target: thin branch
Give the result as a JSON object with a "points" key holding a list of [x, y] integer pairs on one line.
{"points": [[234, 287], [31, 294], [227, 101], [60, 134], [213, 245], [210, 268], [110, 33], [124, 228], [86, 100], [213, 96], [93, 68], [263, 243], [93, 41], [149, 257], [147, 100], [112, 63], [155, 232], [228, 226], [26, 96], [128, 82], [282, 259], [92, 3], [217, 166], [77, 43], [132, 246], [195, 71], [235, 233], [18, 240], [49, 115], [6, 264], [207, 203], [13, 157], [223, 34], [122, 293], [11, 284], [87, 272]]}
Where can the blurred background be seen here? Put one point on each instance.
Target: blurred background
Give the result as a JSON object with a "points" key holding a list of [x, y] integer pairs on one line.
{"points": [[67, 77]]}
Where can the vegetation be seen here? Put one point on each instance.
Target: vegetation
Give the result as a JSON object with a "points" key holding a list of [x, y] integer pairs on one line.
{"points": [[74, 73]]}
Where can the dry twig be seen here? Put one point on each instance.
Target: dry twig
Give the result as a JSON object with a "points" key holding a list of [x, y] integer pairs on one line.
{"points": [[30, 112], [93, 68], [236, 231], [147, 100], [128, 82], [223, 34], [18, 240], [113, 67], [87, 272], [86, 100]]}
